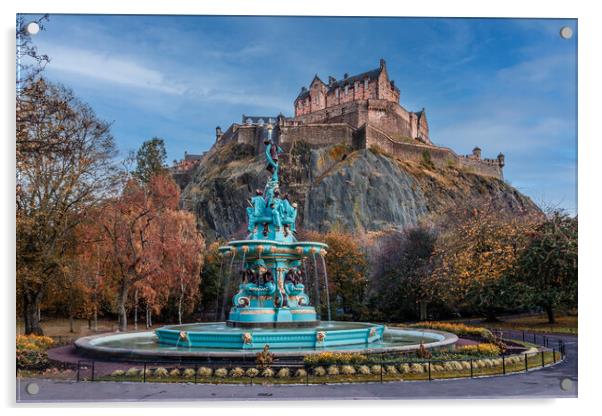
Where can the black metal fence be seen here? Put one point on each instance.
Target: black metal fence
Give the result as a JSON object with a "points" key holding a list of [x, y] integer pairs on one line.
{"points": [[378, 367]]}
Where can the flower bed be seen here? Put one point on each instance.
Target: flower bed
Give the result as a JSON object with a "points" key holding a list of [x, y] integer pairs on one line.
{"points": [[31, 352]]}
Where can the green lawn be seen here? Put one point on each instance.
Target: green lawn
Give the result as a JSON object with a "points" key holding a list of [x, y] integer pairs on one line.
{"points": [[565, 324]]}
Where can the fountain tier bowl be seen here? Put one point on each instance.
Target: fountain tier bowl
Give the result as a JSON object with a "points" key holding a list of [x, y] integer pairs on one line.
{"points": [[146, 346]]}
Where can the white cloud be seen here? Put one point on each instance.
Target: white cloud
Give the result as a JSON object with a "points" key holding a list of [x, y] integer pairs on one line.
{"points": [[110, 68]]}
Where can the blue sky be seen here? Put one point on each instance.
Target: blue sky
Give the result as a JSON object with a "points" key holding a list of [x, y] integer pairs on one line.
{"points": [[506, 85]]}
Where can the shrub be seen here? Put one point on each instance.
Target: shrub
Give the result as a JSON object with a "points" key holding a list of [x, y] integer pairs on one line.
{"points": [[237, 372], [160, 372], [481, 350], [265, 358], [252, 372], [375, 369], [205, 372], [118, 373], [221, 372], [32, 359], [363, 369], [329, 357], [417, 368], [188, 373], [390, 369], [300, 373], [465, 365], [33, 342], [437, 368], [267, 373], [333, 370], [347, 370], [174, 373], [319, 371], [132, 372], [457, 328], [404, 368], [283, 373]]}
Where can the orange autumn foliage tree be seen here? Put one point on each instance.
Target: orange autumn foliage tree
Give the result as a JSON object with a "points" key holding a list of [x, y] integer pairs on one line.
{"points": [[143, 240], [476, 255]]}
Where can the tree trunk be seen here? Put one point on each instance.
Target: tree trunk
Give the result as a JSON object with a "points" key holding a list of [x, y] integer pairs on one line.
{"points": [[550, 313], [136, 310], [31, 305], [71, 329], [95, 319], [121, 310], [180, 303], [423, 310]]}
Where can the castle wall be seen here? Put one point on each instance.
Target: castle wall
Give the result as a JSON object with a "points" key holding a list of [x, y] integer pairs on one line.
{"points": [[316, 135], [441, 157]]}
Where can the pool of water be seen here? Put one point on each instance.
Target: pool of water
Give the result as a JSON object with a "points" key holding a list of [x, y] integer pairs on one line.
{"points": [[145, 345]]}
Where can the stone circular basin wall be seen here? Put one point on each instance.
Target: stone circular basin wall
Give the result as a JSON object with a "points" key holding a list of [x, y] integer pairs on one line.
{"points": [[145, 346]]}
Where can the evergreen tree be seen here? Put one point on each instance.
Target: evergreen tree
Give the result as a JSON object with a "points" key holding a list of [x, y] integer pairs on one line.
{"points": [[150, 160]]}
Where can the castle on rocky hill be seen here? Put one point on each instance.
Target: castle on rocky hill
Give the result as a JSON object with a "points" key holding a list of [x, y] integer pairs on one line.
{"points": [[361, 111]]}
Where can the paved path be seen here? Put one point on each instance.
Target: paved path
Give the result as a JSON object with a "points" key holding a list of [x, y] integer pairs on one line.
{"points": [[544, 383]]}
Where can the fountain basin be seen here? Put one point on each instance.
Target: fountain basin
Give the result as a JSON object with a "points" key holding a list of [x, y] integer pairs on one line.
{"points": [[145, 346]]}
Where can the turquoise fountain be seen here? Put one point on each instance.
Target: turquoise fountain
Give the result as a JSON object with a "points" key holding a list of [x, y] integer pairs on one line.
{"points": [[271, 305]]}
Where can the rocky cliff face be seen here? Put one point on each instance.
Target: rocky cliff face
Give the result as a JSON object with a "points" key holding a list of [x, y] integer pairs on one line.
{"points": [[362, 190]]}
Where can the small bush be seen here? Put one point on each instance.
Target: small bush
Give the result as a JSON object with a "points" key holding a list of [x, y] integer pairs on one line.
{"points": [[457, 328], [221, 372], [252, 372], [347, 370], [404, 368], [363, 369], [329, 357], [32, 360], [300, 373], [132, 372], [417, 368], [188, 373], [333, 370], [160, 372], [465, 365], [174, 373], [205, 372], [237, 372], [375, 369], [390, 369], [482, 350], [319, 371], [283, 373], [118, 373], [267, 373]]}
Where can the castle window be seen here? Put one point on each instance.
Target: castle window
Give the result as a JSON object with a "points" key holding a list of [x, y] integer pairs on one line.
{"points": [[249, 121], [366, 84], [346, 89], [337, 92]]}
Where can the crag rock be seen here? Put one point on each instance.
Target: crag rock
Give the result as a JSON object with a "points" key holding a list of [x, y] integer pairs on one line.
{"points": [[361, 190]]}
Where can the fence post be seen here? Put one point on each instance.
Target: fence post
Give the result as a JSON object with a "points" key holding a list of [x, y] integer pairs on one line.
{"points": [[554, 355], [77, 376], [92, 378], [504, 364], [471, 368], [543, 361], [196, 373], [307, 376], [526, 364], [523, 335], [144, 373], [430, 370]]}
